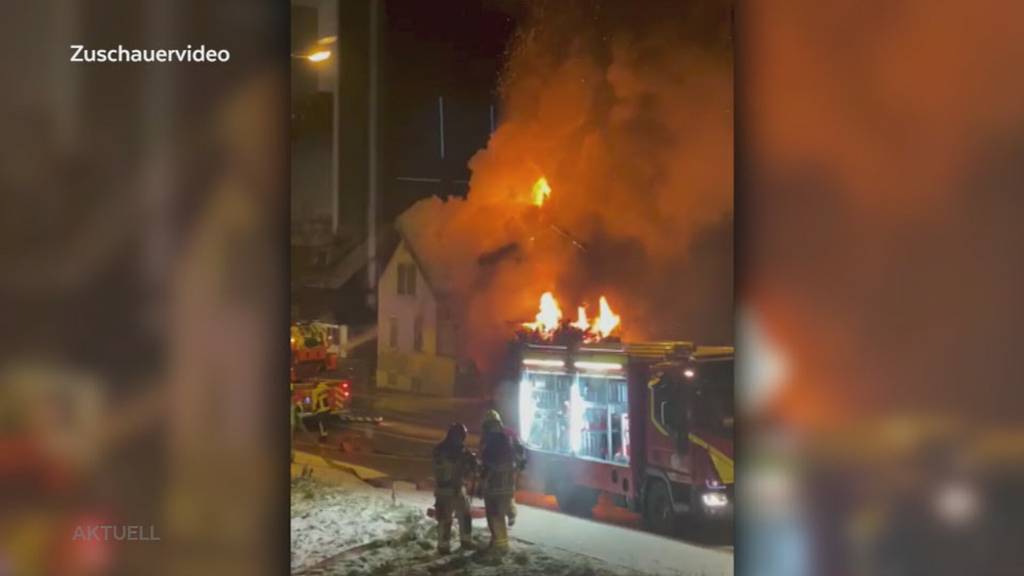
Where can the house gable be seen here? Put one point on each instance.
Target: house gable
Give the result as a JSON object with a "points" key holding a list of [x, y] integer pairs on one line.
{"points": [[410, 303], [408, 332]]}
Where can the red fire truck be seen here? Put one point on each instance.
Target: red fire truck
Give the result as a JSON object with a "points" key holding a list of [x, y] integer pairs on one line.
{"points": [[650, 424], [314, 349]]}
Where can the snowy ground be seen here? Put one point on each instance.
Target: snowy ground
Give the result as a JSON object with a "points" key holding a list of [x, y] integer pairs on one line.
{"points": [[354, 529], [341, 524]]}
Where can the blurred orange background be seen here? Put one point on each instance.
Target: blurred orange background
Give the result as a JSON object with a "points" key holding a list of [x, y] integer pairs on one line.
{"points": [[878, 149]]}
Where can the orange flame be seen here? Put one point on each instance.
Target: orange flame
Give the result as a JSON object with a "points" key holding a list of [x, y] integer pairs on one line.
{"points": [[549, 316], [581, 319], [606, 319], [541, 191]]}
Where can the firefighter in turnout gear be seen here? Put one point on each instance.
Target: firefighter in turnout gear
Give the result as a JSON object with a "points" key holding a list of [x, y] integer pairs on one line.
{"points": [[492, 423], [322, 407], [503, 456], [454, 466]]}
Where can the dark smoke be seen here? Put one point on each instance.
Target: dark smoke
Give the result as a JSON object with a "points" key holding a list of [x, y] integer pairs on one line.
{"points": [[626, 109]]}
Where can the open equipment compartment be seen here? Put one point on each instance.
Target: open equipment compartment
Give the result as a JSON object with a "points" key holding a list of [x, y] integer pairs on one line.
{"points": [[575, 402]]}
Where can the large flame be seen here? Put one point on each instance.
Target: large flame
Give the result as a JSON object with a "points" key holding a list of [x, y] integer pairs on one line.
{"points": [[581, 319], [549, 319], [541, 191], [549, 316], [606, 319]]}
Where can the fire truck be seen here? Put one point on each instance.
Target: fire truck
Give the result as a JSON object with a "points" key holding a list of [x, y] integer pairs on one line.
{"points": [[314, 348], [313, 352], [648, 424]]}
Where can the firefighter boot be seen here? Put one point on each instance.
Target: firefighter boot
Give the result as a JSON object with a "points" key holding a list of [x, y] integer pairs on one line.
{"points": [[497, 512], [443, 511]]}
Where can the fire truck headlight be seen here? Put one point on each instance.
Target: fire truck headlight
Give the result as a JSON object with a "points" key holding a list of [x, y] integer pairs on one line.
{"points": [[714, 499]]}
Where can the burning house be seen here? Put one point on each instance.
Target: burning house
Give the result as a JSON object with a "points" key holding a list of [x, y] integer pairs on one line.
{"points": [[606, 175]]}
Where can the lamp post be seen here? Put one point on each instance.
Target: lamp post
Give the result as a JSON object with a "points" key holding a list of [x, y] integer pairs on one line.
{"points": [[317, 56]]}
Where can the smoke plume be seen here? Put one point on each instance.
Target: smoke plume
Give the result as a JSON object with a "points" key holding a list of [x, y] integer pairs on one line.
{"points": [[628, 115]]}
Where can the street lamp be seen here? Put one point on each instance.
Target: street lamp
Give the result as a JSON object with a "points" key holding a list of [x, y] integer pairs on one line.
{"points": [[320, 51], [318, 56]]}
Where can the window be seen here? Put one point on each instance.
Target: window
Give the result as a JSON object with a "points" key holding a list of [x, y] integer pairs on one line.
{"points": [[417, 334], [665, 405], [393, 332], [714, 397], [407, 279]]}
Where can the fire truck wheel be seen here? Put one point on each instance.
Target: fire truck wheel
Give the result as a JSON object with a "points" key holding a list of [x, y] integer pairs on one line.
{"points": [[658, 514], [576, 500]]}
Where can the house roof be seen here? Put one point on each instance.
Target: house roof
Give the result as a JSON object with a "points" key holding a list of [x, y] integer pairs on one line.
{"points": [[341, 271], [438, 278], [430, 272]]}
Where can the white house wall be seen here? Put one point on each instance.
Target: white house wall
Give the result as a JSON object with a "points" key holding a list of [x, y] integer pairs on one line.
{"points": [[401, 367]]}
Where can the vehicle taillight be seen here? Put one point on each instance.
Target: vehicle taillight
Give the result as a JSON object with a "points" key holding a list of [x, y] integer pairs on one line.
{"points": [[344, 384]]}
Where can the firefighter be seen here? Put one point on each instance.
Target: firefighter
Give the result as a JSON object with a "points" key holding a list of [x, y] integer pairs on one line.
{"points": [[492, 423], [322, 408], [503, 457], [454, 465]]}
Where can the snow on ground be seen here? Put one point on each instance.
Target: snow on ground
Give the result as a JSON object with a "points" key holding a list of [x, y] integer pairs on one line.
{"points": [[327, 520], [357, 530]]}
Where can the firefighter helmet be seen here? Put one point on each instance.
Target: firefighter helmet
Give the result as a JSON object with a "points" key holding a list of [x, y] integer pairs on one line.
{"points": [[492, 420], [457, 432]]}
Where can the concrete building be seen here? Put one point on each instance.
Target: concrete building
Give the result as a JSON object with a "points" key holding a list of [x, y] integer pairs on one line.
{"points": [[393, 115]]}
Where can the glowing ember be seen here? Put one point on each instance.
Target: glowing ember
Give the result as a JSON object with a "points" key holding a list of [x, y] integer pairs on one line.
{"points": [[581, 320], [541, 191], [549, 317], [606, 320]]}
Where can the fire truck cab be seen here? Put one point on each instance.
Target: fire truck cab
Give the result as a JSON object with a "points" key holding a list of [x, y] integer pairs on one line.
{"points": [[649, 424]]}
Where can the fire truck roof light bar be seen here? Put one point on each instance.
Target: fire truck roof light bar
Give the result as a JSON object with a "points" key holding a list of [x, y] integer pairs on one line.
{"points": [[544, 362], [586, 365]]}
